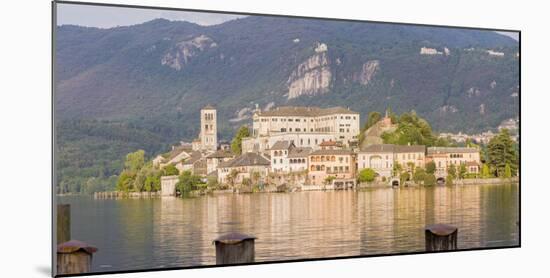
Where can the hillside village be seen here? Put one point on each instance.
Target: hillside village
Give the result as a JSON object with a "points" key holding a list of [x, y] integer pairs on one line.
{"points": [[310, 148]]}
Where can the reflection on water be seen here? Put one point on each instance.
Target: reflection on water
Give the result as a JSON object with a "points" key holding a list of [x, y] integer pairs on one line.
{"points": [[174, 232]]}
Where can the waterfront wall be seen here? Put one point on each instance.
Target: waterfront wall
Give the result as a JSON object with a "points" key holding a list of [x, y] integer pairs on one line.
{"points": [[120, 194], [168, 185], [486, 181]]}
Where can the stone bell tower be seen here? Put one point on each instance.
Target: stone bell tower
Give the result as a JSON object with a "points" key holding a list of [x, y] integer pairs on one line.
{"points": [[209, 129]]}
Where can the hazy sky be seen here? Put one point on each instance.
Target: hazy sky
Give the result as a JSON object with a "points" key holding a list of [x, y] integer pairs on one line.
{"points": [[106, 17]]}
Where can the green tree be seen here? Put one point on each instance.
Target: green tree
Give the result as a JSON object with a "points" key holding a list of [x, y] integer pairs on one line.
{"points": [[236, 143], [430, 167], [134, 161], [188, 182], [139, 180], [429, 180], [366, 175], [452, 171], [411, 129], [501, 151], [397, 168], [462, 171], [328, 180], [507, 171], [449, 180], [125, 181], [231, 177], [419, 175], [170, 170], [403, 177], [485, 172]]}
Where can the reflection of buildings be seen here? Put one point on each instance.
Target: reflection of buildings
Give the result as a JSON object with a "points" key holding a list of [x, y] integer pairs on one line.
{"points": [[326, 224]]}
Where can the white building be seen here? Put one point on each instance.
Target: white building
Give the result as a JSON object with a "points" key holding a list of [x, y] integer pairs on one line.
{"points": [[286, 157], [264, 143], [245, 166], [213, 160], [176, 155], [444, 157], [382, 158], [304, 126]]}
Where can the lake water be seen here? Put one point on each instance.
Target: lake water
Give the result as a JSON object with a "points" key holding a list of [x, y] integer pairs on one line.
{"points": [[134, 234]]}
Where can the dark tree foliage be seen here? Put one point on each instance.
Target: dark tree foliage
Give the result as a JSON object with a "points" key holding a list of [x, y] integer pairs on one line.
{"points": [[501, 152], [236, 146]]}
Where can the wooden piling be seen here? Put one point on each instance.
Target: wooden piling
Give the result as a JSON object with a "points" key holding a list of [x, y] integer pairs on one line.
{"points": [[63, 223], [234, 248], [74, 257], [441, 237]]}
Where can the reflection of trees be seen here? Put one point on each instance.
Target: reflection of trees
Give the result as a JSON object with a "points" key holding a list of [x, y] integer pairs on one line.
{"points": [[502, 211]]}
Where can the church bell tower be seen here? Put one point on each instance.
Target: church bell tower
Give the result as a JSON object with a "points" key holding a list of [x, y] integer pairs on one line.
{"points": [[209, 129]]}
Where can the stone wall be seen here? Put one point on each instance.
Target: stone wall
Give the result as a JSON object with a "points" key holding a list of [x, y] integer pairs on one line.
{"points": [[168, 185], [485, 181]]}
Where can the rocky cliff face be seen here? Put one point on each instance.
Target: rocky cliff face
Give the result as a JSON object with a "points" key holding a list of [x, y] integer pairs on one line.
{"points": [[312, 77], [180, 54], [368, 71]]}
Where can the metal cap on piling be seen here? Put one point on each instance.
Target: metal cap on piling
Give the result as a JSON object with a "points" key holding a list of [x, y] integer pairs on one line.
{"points": [[233, 238], [441, 237], [441, 229], [234, 248], [75, 246], [74, 257]]}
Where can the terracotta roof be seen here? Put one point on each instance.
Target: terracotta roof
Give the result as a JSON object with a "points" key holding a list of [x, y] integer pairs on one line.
{"points": [[445, 150], [390, 148], [246, 159], [472, 163], [331, 152], [328, 143], [304, 111], [299, 152]]}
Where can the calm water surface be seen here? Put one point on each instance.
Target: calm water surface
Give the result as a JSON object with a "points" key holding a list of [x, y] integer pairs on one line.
{"points": [[175, 232]]}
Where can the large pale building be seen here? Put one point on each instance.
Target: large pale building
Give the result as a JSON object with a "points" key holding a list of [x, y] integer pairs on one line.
{"points": [[304, 126], [296, 119]]}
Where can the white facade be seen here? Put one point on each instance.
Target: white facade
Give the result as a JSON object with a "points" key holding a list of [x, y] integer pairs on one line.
{"points": [[380, 162], [263, 143], [279, 161], [342, 123], [382, 158]]}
